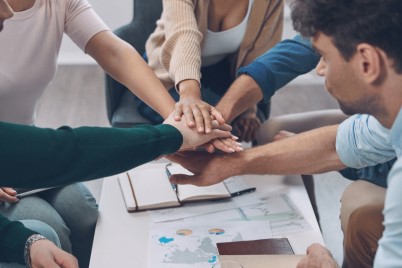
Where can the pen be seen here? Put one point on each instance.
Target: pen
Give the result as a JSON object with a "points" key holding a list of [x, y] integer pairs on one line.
{"points": [[250, 190], [174, 186]]}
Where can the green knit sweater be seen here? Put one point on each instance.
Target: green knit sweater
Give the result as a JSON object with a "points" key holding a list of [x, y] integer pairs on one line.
{"points": [[33, 157]]}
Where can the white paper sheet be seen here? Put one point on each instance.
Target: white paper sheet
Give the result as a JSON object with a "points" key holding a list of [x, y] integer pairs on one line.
{"points": [[194, 245], [278, 209]]}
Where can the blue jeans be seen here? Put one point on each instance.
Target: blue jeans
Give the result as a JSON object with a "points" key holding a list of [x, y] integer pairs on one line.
{"points": [[375, 174], [70, 210], [41, 228]]}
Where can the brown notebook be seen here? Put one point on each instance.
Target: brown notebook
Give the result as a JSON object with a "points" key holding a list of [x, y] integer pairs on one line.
{"points": [[269, 246]]}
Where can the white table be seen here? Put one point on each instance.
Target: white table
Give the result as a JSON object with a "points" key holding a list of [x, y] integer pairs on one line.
{"points": [[121, 238]]}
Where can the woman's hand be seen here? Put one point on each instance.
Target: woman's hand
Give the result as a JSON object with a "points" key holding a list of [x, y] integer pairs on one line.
{"points": [[8, 194], [197, 113]]}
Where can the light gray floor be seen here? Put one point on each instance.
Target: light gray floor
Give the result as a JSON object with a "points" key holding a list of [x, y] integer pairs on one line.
{"points": [[76, 98]]}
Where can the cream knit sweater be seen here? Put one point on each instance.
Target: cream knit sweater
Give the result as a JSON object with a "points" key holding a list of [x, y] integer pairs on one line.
{"points": [[174, 48]]}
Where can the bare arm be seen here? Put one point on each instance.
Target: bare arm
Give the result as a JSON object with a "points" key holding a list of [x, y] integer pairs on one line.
{"points": [[243, 94], [123, 63], [306, 153]]}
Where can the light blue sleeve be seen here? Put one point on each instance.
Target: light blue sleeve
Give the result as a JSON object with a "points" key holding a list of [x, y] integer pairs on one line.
{"points": [[389, 253], [362, 141]]}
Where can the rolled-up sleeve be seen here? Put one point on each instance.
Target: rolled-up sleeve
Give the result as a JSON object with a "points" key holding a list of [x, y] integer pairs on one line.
{"points": [[362, 141]]}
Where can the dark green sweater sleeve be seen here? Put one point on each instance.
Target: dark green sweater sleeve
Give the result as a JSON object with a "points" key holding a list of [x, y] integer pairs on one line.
{"points": [[39, 157], [13, 236]]}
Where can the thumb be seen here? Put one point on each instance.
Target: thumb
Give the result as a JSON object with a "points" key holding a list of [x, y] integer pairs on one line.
{"points": [[219, 134], [217, 125], [67, 261], [182, 179]]}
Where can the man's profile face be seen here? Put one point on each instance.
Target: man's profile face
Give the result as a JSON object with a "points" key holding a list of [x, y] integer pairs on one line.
{"points": [[5, 12], [342, 78]]}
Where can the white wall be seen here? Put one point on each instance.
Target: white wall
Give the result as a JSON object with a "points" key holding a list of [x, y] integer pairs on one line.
{"points": [[119, 12], [115, 13]]}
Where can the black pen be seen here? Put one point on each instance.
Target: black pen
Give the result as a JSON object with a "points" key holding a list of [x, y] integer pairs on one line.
{"points": [[249, 190], [174, 186]]}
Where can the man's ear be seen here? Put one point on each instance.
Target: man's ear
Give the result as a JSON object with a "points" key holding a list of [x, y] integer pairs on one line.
{"points": [[369, 60]]}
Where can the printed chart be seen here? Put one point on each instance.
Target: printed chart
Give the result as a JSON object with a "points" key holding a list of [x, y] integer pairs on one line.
{"points": [[185, 244]]}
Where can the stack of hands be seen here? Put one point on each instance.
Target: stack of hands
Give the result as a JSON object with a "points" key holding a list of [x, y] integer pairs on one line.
{"points": [[202, 126], [200, 131]]}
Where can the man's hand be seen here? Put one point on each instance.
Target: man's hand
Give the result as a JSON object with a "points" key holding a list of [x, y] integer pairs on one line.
{"points": [[44, 253], [207, 168], [247, 124], [8, 195], [317, 257], [193, 139]]}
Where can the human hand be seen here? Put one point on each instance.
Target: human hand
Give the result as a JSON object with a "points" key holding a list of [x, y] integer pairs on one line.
{"points": [[223, 144], [208, 169], [193, 139], [8, 194], [197, 113], [44, 253], [317, 257], [247, 124], [283, 134]]}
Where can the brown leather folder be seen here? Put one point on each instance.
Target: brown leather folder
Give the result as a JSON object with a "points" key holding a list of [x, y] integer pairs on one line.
{"points": [[269, 246]]}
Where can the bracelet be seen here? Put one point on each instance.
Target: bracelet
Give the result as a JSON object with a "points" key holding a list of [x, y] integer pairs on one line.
{"points": [[27, 248]]}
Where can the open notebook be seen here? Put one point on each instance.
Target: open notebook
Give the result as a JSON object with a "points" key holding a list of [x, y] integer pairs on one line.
{"points": [[148, 187]]}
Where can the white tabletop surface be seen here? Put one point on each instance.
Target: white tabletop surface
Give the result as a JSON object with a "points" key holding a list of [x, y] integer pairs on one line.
{"points": [[121, 238]]}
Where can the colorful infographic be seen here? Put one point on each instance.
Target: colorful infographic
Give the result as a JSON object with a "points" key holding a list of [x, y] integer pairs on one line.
{"points": [[184, 244]]}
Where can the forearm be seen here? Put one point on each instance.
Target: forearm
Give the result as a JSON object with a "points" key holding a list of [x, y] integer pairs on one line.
{"points": [[306, 153], [36, 157], [121, 61], [243, 94], [190, 88], [13, 236]]}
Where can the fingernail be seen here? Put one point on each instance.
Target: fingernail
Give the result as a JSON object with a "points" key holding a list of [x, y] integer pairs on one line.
{"points": [[207, 130], [231, 150], [239, 143], [240, 148], [235, 137]]}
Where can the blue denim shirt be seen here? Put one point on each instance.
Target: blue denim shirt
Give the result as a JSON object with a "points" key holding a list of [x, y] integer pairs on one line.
{"points": [[281, 64], [362, 141]]}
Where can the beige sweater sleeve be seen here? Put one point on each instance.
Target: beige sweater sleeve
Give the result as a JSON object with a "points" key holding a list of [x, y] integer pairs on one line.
{"points": [[181, 51]]}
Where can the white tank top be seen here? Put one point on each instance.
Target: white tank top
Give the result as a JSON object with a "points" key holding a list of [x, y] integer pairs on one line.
{"points": [[217, 45]]}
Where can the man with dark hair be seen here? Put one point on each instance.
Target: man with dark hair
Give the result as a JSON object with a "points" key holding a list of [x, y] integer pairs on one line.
{"points": [[359, 42]]}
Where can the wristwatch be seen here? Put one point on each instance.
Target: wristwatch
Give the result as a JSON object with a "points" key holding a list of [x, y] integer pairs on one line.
{"points": [[27, 249]]}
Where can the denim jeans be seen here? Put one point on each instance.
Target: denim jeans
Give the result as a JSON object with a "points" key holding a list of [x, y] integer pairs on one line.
{"points": [[375, 174], [70, 210]]}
